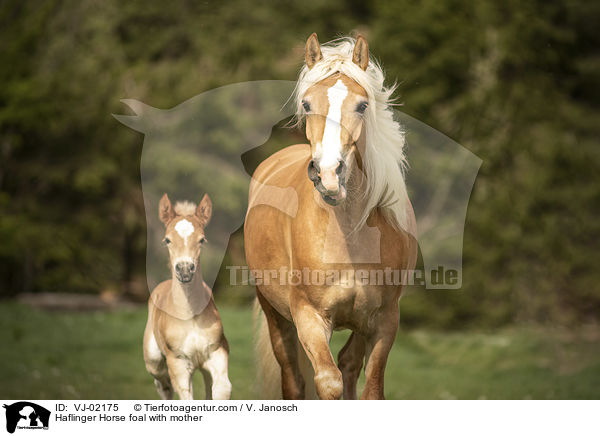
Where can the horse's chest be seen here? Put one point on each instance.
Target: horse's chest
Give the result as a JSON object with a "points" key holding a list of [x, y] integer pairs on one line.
{"points": [[190, 342], [352, 307], [195, 342]]}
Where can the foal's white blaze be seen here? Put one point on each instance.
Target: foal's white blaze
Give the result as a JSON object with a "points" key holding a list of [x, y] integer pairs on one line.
{"points": [[331, 149], [184, 228]]}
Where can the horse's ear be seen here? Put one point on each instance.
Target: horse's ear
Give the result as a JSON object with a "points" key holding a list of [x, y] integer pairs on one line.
{"points": [[165, 210], [312, 51], [145, 116], [360, 55], [204, 210]]}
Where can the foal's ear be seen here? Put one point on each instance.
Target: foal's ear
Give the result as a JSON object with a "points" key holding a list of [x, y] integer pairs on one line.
{"points": [[360, 55], [312, 51], [204, 210], [165, 210]]}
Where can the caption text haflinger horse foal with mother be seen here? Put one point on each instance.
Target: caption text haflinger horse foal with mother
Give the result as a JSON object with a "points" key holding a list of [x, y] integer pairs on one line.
{"points": [[351, 212]]}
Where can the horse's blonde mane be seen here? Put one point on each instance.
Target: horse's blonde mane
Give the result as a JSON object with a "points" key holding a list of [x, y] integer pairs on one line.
{"points": [[384, 162], [185, 208]]}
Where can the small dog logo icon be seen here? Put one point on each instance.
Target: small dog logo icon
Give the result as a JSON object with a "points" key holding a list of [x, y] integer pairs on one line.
{"points": [[26, 415]]}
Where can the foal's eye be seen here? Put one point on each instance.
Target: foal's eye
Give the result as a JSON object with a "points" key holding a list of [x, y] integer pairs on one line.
{"points": [[362, 107], [202, 240], [167, 241], [306, 106]]}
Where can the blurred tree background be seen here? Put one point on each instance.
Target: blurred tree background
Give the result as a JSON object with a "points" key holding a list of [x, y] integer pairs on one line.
{"points": [[516, 82]]}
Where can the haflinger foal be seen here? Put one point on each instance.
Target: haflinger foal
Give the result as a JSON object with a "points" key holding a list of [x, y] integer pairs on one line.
{"points": [[184, 330]]}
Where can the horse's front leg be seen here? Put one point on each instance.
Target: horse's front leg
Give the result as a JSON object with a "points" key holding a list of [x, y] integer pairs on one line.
{"points": [[180, 372], [217, 379], [378, 345], [314, 333], [350, 361]]}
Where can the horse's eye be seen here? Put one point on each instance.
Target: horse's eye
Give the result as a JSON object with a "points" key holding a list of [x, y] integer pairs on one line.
{"points": [[167, 241], [202, 240], [362, 107], [306, 106]]}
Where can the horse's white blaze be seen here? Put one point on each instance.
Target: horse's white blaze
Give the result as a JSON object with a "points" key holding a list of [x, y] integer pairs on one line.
{"points": [[383, 155], [331, 149], [184, 228]]}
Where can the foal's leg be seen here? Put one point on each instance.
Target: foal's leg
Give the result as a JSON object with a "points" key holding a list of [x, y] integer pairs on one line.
{"points": [[158, 370], [314, 334], [350, 361], [207, 384], [284, 342], [379, 344], [216, 367], [180, 372], [156, 365]]}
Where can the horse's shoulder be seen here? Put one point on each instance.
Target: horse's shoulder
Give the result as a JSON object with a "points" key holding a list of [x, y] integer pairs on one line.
{"points": [[277, 168], [277, 180], [400, 240]]}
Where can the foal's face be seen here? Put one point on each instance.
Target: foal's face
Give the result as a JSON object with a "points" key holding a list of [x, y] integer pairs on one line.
{"points": [[335, 109], [184, 236]]}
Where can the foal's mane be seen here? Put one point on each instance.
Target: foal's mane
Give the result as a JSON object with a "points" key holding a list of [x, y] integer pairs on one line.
{"points": [[384, 160], [185, 208]]}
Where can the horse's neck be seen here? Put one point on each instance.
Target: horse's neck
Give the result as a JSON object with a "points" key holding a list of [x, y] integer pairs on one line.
{"points": [[345, 241], [347, 217], [349, 214], [188, 299]]}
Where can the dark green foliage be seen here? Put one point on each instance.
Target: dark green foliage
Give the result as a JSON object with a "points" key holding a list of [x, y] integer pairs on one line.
{"points": [[517, 83]]}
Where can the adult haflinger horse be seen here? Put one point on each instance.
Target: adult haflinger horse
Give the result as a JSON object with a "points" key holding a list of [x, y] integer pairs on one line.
{"points": [[184, 330], [350, 213]]}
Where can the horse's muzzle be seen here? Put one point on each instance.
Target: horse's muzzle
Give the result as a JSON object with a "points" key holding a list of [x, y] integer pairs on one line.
{"points": [[330, 183], [184, 271]]}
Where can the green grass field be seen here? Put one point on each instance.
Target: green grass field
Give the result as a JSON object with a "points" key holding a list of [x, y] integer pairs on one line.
{"points": [[98, 355]]}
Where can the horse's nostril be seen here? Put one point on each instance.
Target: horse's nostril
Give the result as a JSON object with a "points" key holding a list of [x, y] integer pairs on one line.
{"points": [[192, 267], [340, 168], [313, 171], [178, 267], [314, 165]]}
